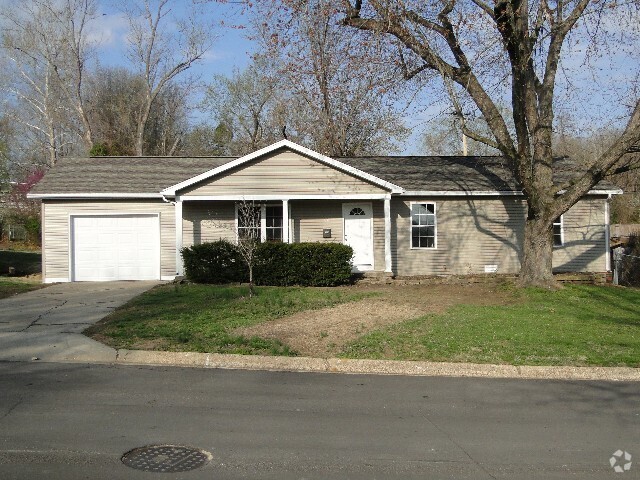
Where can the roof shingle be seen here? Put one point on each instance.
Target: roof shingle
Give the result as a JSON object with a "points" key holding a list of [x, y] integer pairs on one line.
{"points": [[150, 175]]}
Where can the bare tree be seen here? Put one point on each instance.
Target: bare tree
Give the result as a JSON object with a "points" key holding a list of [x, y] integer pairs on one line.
{"points": [[475, 47], [116, 95], [248, 236], [161, 48], [444, 136], [338, 106], [6, 136], [250, 105], [46, 45], [205, 140]]}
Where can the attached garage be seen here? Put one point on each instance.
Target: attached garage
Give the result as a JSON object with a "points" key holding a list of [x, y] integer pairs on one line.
{"points": [[115, 247]]}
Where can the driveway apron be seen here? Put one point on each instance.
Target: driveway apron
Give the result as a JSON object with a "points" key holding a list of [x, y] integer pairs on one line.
{"points": [[47, 324]]}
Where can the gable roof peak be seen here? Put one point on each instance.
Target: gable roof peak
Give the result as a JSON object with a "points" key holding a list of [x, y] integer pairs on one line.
{"points": [[284, 144]]}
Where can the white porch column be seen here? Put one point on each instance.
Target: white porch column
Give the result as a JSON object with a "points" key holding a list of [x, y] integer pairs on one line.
{"points": [[387, 234], [178, 215], [285, 221]]}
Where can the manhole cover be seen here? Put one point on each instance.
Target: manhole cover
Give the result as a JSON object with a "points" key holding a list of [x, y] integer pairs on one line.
{"points": [[165, 458]]}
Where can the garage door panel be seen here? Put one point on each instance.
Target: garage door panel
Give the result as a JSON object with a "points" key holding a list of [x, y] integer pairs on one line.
{"points": [[116, 247]]}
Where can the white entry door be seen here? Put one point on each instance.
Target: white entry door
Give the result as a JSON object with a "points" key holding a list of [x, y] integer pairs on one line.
{"points": [[358, 234], [115, 247]]}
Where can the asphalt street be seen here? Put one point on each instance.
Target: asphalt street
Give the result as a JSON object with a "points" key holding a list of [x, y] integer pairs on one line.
{"points": [[68, 421]]}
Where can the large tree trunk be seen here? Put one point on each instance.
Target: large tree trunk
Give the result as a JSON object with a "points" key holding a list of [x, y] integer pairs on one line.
{"points": [[537, 253]]}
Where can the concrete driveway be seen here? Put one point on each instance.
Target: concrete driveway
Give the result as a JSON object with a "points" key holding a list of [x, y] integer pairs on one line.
{"points": [[47, 323]]}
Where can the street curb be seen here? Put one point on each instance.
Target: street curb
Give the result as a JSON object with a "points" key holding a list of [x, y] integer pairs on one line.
{"points": [[373, 367]]}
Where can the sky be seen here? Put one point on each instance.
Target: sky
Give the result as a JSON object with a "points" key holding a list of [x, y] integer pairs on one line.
{"points": [[595, 98], [232, 49]]}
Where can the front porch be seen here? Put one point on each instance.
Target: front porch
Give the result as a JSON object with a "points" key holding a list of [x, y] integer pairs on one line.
{"points": [[361, 221]]}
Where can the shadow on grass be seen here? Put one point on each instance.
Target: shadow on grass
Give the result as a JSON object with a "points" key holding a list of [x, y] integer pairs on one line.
{"points": [[25, 263]]}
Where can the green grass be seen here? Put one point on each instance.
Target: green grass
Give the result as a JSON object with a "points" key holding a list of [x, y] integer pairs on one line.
{"points": [[10, 287], [577, 325], [201, 318], [25, 263]]}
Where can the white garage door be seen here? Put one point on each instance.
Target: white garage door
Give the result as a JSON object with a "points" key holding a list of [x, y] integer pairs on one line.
{"points": [[115, 247]]}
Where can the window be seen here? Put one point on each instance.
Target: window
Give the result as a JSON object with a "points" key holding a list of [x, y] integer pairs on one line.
{"points": [[423, 225], [273, 226], [558, 232], [249, 221], [262, 222], [356, 211]]}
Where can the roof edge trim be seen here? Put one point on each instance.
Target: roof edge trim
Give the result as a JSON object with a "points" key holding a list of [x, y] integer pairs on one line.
{"points": [[64, 196], [459, 193], [489, 193]]}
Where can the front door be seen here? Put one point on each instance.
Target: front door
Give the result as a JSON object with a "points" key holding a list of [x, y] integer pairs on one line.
{"points": [[358, 234]]}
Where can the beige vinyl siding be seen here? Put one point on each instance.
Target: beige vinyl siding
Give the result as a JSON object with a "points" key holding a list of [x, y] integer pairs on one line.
{"points": [[310, 217], [471, 232], [56, 241], [476, 231], [283, 173], [207, 222], [584, 248]]}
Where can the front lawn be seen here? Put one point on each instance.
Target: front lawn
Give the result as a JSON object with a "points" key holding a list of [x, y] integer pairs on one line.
{"points": [[12, 286], [201, 318], [577, 325]]}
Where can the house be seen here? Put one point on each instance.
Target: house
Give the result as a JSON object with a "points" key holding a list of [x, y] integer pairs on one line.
{"points": [[109, 218]]}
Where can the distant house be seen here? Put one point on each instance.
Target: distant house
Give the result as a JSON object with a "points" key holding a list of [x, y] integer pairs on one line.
{"points": [[115, 218]]}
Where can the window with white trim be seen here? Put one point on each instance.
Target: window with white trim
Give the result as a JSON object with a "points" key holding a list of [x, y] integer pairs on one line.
{"points": [[262, 222], [558, 231], [249, 221], [423, 225], [273, 223]]}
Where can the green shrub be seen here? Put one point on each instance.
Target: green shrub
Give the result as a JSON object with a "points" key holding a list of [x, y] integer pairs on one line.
{"points": [[214, 262], [108, 150], [99, 150], [307, 264], [278, 264]]}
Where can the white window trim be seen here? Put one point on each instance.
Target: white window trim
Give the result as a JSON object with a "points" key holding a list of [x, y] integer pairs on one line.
{"points": [[263, 220], [435, 234], [561, 223]]}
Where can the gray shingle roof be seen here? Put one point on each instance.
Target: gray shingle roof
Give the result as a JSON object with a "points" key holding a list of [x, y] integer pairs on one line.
{"points": [[149, 175], [439, 173], [123, 174], [456, 173]]}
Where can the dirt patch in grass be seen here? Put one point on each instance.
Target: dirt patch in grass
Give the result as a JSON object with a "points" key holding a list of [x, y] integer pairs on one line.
{"points": [[324, 332]]}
